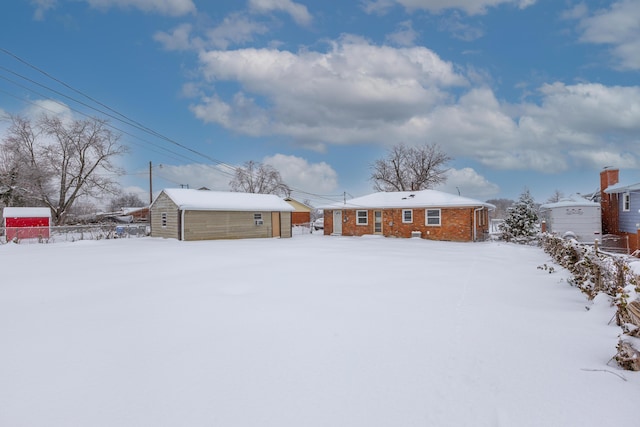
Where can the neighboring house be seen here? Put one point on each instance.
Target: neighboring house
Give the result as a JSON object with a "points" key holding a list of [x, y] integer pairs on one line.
{"points": [[574, 217], [302, 213], [187, 214], [429, 214], [620, 207], [138, 214], [25, 223]]}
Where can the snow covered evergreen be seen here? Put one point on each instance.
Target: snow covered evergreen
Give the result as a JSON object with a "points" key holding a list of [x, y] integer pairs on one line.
{"points": [[522, 218]]}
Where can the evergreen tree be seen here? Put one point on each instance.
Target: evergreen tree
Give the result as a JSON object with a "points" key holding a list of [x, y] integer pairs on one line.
{"points": [[522, 218]]}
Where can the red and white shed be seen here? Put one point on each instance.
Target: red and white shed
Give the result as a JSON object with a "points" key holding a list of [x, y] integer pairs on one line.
{"points": [[25, 223]]}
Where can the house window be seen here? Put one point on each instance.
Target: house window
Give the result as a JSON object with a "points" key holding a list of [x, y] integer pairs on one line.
{"points": [[433, 216], [164, 219], [626, 202], [257, 218], [362, 217], [407, 216]]}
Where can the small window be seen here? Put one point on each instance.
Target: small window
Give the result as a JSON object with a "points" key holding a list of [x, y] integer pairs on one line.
{"points": [[164, 219], [407, 216], [433, 216], [362, 217], [257, 217], [626, 202]]}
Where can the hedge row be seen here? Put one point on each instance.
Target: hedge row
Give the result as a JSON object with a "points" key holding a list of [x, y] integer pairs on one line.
{"points": [[595, 272]]}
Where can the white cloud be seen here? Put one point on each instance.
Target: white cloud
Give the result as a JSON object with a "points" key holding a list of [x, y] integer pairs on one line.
{"points": [[179, 38], [163, 7], [468, 183], [49, 107], [235, 29], [360, 93], [298, 173], [347, 93], [405, 35], [455, 25], [470, 7], [298, 12], [597, 159], [618, 26], [42, 7]]}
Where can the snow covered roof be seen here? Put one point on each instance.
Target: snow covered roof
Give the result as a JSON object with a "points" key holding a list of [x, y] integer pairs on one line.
{"points": [[621, 188], [409, 199], [26, 213], [189, 199], [570, 202]]}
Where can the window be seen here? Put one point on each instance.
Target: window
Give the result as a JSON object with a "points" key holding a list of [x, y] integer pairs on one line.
{"points": [[407, 216], [164, 219], [362, 217], [433, 216], [626, 202], [257, 217]]}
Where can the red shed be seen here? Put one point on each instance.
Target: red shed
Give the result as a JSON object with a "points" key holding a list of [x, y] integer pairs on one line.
{"points": [[25, 223]]}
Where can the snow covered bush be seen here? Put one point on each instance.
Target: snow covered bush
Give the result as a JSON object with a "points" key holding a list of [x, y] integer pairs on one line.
{"points": [[520, 225], [594, 272]]}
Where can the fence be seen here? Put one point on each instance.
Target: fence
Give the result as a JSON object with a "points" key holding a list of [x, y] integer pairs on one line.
{"points": [[615, 244], [72, 233]]}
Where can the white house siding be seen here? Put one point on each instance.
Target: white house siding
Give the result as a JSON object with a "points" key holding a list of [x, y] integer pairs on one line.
{"points": [[582, 219]]}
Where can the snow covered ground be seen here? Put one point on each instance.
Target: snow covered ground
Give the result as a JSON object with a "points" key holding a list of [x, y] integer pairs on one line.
{"points": [[308, 331]]}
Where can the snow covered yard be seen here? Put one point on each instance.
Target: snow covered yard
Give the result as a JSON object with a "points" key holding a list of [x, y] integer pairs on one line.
{"points": [[308, 331]]}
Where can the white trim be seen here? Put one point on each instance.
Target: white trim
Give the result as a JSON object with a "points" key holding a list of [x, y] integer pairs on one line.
{"points": [[426, 217], [366, 217], [404, 221], [626, 202], [182, 225]]}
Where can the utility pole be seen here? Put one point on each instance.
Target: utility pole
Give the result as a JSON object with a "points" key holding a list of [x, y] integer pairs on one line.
{"points": [[150, 185]]}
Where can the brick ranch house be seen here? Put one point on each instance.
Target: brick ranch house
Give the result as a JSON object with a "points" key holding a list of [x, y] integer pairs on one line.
{"points": [[429, 214]]}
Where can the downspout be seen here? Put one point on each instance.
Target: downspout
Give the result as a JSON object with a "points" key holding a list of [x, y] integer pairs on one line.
{"points": [[475, 230]]}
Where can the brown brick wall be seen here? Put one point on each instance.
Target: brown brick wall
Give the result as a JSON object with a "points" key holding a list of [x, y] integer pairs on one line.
{"points": [[456, 224], [299, 218], [609, 202]]}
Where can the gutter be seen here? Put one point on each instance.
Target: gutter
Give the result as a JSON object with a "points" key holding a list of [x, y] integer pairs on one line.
{"points": [[475, 215]]}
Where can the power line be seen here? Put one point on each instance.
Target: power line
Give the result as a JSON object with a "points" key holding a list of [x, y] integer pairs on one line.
{"points": [[120, 117]]}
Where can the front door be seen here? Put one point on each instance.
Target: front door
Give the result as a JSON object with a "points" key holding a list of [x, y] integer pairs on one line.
{"points": [[275, 224], [337, 222], [377, 222]]}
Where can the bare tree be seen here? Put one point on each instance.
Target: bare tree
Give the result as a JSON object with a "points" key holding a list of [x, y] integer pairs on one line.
{"points": [[62, 161], [555, 197], [410, 168], [129, 200], [255, 177], [502, 207]]}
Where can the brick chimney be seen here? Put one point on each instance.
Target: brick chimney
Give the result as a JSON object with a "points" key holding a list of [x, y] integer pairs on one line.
{"points": [[609, 202]]}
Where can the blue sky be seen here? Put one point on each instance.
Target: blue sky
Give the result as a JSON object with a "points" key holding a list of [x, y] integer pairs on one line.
{"points": [[539, 94]]}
